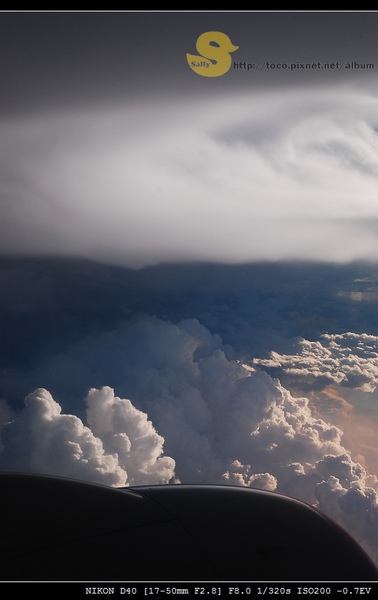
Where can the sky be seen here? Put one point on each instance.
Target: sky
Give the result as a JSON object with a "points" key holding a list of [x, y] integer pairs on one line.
{"points": [[188, 263]]}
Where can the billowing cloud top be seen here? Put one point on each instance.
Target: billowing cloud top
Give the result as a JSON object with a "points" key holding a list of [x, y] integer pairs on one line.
{"points": [[121, 448], [289, 174], [349, 359]]}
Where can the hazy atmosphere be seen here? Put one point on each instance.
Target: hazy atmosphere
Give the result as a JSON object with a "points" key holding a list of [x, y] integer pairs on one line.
{"points": [[189, 263]]}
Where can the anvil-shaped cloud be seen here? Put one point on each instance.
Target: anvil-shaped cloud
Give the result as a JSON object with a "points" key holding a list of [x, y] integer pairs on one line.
{"points": [[241, 177]]}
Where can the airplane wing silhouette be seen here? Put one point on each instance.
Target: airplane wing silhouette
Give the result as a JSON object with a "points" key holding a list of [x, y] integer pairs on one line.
{"points": [[54, 528]]}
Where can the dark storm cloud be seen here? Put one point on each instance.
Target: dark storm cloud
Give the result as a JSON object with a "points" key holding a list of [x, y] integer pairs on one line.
{"points": [[254, 308]]}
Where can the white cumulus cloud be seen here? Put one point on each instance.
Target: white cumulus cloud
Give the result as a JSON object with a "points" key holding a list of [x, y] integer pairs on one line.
{"points": [[345, 494], [349, 359], [127, 433], [41, 439]]}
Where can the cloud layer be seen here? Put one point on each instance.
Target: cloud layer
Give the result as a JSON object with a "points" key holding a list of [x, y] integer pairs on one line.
{"points": [[194, 415], [243, 177], [347, 359]]}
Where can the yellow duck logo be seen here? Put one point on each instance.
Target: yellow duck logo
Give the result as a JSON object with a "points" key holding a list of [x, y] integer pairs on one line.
{"points": [[214, 48]]}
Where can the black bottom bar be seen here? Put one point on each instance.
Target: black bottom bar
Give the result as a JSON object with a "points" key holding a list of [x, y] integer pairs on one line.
{"points": [[225, 589]]}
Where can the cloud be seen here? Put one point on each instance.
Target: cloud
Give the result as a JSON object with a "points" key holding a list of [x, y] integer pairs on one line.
{"points": [[347, 359], [194, 415], [6, 414], [209, 409], [244, 476], [127, 433], [126, 398], [117, 452], [350, 500], [243, 177]]}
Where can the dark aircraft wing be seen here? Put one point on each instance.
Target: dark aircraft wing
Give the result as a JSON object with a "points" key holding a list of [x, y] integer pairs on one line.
{"points": [[54, 528]]}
